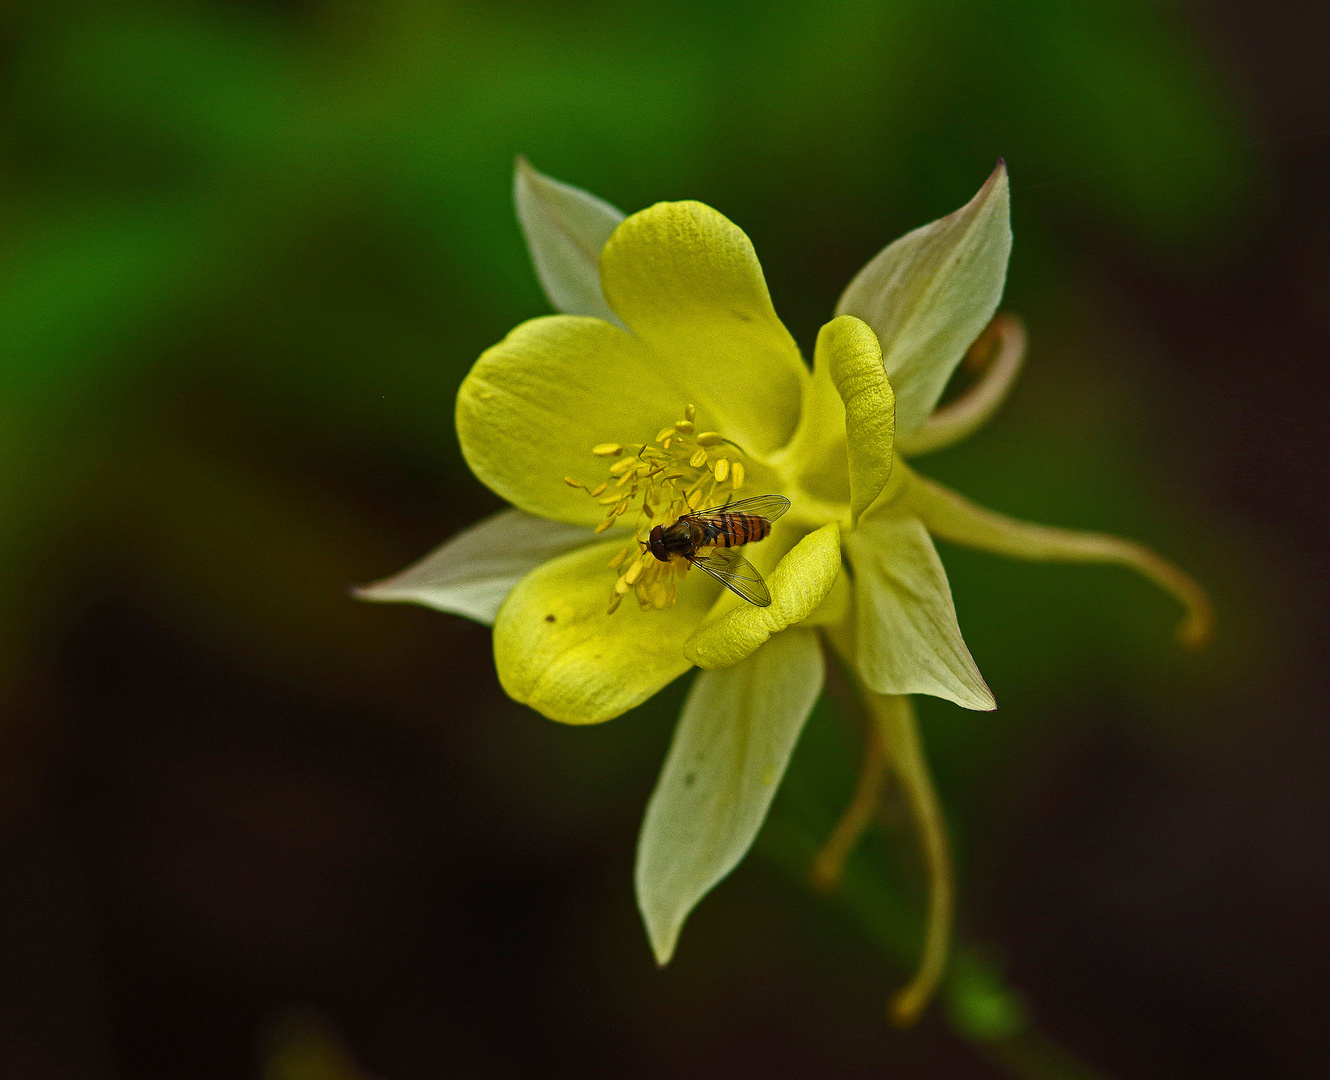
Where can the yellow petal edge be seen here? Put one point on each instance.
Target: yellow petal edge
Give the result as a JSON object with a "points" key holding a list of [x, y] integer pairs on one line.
{"points": [[799, 584], [557, 650], [534, 405], [686, 281], [851, 351]]}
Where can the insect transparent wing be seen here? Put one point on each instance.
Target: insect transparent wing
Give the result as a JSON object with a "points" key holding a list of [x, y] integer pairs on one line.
{"points": [[768, 506], [736, 573]]}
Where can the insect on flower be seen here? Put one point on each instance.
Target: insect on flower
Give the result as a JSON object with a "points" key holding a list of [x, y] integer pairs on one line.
{"points": [[723, 528], [641, 298]]}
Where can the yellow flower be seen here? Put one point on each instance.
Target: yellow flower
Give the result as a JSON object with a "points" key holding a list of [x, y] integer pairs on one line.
{"points": [[670, 384]]}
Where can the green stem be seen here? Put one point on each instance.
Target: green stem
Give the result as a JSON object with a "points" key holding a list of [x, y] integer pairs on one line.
{"points": [[898, 729], [981, 1008]]}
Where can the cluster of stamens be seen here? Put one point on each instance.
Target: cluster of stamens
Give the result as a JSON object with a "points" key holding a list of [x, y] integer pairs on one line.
{"points": [[682, 472]]}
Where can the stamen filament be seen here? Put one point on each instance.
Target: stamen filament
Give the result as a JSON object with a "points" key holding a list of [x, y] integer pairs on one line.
{"points": [[671, 477]]}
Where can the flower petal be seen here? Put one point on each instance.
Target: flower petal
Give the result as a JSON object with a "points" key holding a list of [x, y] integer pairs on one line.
{"points": [[472, 573], [534, 405], [687, 282], [816, 460], [799, 584], [557, 650], [854, 361], [930, 293], [565, 228], [730, 750], [908, 639], [953, 422], [953, 517]]}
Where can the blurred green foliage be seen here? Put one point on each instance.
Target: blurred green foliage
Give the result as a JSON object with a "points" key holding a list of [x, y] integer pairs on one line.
{"points": [[306, 209], [247, 252]]}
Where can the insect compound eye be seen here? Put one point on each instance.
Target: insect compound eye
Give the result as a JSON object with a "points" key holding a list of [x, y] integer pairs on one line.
{"points": [[655, 544]]}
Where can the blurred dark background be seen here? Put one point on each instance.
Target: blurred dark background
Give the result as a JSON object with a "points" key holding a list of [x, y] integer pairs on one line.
{"points": [[250, 827]]}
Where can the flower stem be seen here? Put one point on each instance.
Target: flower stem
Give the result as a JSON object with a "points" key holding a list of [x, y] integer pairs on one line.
{"points": [[827, 868], [898, 731]]}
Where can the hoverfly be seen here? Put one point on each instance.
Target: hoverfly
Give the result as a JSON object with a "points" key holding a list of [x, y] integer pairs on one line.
{"points": [[723, 528]]}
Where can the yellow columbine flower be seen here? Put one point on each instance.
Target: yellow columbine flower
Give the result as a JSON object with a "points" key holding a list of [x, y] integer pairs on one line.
{"points": [[670, 384]]}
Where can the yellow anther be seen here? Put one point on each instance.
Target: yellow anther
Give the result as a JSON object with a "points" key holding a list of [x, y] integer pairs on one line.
{"points": [[615, 600], [659, 482], [571, 482]]}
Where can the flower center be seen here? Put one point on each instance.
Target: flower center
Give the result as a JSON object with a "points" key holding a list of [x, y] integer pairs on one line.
{"points": [[682, 472]]}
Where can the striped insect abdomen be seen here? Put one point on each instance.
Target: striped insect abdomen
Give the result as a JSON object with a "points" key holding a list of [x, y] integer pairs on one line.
{"points": [[735, 530]]}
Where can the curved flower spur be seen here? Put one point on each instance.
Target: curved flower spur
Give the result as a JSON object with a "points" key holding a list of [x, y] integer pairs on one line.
{"points": [[669, 385]]}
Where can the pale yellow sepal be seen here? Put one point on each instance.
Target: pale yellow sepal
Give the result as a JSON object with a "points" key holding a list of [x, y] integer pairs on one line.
{"points": [[849, 349], [687, 282], [953, 517], [473, 573], [558, 651], [565, 228], [905, 622], [929, 294], [734, 740], [969, 412], [799, 584]]}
